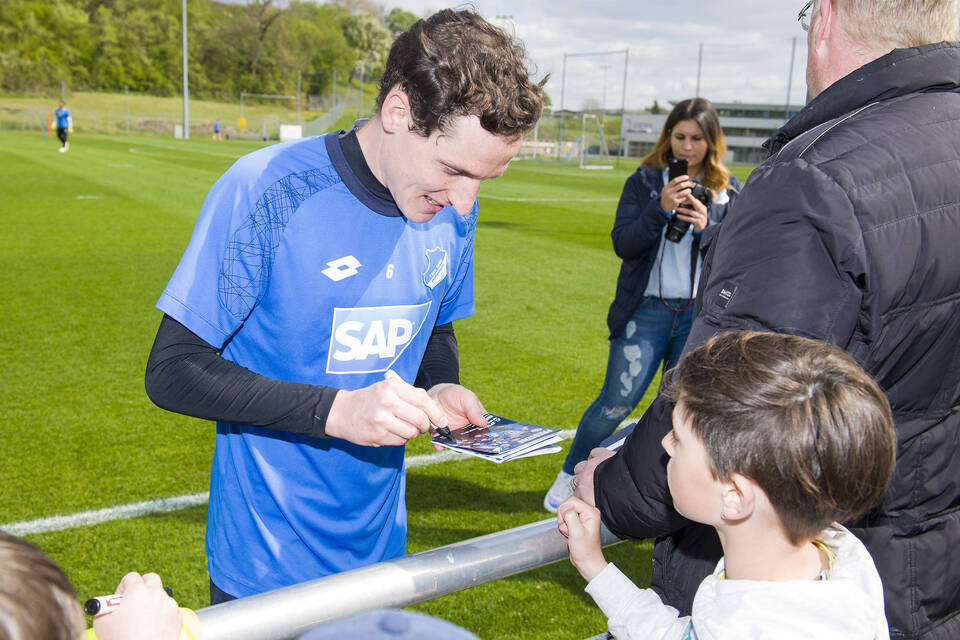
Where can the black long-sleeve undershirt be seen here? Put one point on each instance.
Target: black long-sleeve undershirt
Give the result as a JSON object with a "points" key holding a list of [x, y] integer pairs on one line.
{"points": [[187, 375]]}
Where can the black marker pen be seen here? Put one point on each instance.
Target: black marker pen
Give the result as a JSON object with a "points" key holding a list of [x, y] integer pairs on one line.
{"points": [[390, 374]]}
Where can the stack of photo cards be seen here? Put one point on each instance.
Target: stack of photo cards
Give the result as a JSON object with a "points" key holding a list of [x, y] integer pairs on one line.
{"points": [[502, 439]]}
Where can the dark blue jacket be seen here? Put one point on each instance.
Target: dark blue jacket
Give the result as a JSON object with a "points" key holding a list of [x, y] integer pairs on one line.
{"points": [[849, 232], [636, 235]]}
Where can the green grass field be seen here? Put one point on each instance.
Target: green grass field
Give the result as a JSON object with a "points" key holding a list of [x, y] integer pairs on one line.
{"points": [[90, 238]]}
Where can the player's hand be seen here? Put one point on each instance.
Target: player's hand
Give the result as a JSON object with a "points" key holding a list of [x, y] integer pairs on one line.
{"points": [[388, 413], [461, 406], [580, 523], [146, 613], [693, 211], [582, 482], [674, 192]]}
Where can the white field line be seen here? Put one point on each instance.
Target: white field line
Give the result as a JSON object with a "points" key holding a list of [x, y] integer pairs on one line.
{"points": [[121, 512], [230, 155], [154, 148], [161, 505]]}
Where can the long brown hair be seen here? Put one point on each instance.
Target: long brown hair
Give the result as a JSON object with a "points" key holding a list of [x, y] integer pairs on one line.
{"points": [[701, 111]]}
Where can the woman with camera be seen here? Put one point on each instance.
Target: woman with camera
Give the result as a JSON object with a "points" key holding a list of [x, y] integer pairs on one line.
{"points": [[681, 189]]}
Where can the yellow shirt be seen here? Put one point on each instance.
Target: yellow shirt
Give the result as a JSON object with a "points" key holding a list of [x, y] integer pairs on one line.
{"points": [[189, 630]]}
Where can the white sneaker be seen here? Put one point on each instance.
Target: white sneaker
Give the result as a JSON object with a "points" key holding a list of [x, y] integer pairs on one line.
{"points": [[61, 149], [559, 492]]}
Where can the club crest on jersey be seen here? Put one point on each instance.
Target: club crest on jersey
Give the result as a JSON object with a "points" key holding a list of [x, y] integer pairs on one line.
{"points": [[371, 339], [436, 271]]}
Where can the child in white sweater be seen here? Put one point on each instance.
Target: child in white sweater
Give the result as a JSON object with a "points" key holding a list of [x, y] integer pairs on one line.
{"points": [[775, 439]]}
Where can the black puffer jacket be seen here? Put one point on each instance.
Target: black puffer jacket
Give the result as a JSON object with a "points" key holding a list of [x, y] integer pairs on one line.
{"points": [[849, 232]]}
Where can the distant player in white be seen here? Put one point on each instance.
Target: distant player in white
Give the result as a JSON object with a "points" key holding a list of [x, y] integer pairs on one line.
{"points": [[316, 266]]}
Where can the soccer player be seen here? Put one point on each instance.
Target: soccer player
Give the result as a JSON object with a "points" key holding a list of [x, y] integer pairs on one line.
{"points": [[315, 267], [64, 126]]}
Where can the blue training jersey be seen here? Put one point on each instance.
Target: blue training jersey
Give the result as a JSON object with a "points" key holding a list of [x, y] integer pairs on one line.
{"points": [[297, 272], [63, 118]]}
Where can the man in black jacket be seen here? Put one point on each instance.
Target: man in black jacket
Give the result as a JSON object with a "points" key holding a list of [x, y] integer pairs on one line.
{"points": [[848, 233]]}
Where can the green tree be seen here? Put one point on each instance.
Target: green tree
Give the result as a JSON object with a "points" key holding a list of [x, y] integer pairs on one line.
{"points": [[371, 40], [399, 20], [315, 44], [256, 46], [41, 43], [137, 43]]}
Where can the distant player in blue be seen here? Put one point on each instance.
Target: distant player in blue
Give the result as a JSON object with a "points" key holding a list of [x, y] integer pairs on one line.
{"points": [[216, 130], [64, 125], [315, 267]]}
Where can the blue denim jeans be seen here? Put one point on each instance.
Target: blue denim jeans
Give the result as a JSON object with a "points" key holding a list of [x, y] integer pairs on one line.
{"points": [[653, 335]]}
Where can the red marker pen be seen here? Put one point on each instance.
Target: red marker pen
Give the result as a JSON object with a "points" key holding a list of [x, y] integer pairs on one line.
{"points": [[105, 604]]}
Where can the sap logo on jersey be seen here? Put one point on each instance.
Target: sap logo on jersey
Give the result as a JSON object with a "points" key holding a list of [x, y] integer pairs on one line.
{"points": [[370, 339]]}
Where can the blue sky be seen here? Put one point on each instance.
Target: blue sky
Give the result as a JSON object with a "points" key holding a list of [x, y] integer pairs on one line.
{"points": [[746, 47]]}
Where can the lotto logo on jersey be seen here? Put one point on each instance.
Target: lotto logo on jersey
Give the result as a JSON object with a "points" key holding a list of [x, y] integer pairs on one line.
{"points": [[371, 339]]}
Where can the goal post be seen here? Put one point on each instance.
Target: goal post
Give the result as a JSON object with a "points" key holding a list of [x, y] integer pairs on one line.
{"points": [[262, 125], [594, 82], [594, 152]]}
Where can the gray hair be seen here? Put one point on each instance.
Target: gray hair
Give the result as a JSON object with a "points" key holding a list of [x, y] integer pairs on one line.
{"points": [[895, 24]]}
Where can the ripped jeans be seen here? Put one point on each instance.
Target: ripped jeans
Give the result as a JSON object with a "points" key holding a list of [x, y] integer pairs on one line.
{"points": [[653, 334]]}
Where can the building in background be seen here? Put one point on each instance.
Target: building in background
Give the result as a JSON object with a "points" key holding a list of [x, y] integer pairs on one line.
{"points": [[745, 127]]}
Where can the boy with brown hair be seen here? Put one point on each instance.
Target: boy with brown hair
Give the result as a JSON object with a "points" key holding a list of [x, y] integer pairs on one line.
{"points": [[37, 602], [776, 439]]}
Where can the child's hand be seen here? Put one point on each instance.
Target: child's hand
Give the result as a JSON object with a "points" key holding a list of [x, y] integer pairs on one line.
{"points": [[146, 613], [580, 523]]}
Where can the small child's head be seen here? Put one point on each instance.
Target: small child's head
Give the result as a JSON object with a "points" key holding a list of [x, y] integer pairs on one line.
{"points": [[798, 417], [37, 601]]}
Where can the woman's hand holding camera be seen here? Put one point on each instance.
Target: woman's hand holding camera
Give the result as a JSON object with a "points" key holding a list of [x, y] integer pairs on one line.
{"points": [[677, 197], [692, 211], [673, 193]]}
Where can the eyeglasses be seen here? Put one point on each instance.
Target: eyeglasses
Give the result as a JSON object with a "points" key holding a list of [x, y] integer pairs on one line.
{"points": [[804, 16]]}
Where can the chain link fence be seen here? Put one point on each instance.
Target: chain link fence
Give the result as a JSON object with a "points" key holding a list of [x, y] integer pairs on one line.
{"points": [[119, 114], [41, 119]]}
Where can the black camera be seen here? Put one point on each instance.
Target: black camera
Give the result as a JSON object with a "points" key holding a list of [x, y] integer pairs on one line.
{"points": [[677, 227]]}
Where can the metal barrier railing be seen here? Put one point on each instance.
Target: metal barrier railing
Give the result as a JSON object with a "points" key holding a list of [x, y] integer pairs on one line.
{"points": [[285, 614]]}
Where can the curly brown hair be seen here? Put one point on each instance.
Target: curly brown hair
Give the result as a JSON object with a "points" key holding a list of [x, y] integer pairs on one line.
{"points": [[455, 63]]}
